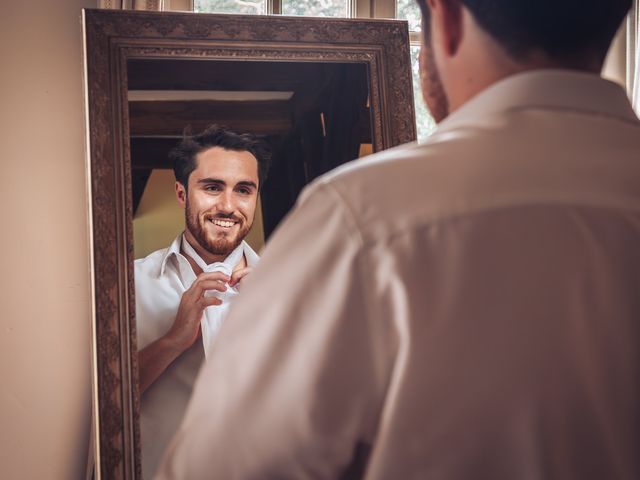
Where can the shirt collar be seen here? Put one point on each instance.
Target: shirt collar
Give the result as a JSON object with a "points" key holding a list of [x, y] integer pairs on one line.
{"points": [[546, 89], [250, 255], [174, 249]]}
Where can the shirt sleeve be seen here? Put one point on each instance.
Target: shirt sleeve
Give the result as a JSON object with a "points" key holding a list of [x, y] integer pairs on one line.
{"points": [[295, 379]]}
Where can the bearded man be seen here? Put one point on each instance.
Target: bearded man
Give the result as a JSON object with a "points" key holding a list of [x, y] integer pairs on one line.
{"points": [[183, 291], [463, 309]]}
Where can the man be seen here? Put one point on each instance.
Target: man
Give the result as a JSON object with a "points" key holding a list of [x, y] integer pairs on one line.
{"points": [[464, 309], [218, 175]]}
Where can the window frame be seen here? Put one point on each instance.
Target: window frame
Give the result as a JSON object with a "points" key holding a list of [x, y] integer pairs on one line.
{"points": [[356, 8]]}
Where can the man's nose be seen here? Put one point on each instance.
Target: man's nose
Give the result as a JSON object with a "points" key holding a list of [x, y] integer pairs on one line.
{"points": [[225, 203]]}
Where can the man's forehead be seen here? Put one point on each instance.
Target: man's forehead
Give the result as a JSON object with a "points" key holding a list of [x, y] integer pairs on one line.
{"points": [[218, 159]]}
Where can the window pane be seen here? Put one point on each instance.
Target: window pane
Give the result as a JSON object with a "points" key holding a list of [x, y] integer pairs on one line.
{"points": [[255, 7], [409, 10], [425, 123], [316, 8]]}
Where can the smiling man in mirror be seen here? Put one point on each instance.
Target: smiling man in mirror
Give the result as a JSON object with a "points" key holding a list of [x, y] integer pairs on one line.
{"points": [[184, 290]]}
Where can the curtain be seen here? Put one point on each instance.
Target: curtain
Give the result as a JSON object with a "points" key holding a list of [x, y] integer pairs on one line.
{"points": [[633, 55]]}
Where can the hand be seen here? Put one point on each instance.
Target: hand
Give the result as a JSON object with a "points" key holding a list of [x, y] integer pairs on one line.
{"points": [[239, 275], [186, 327]]}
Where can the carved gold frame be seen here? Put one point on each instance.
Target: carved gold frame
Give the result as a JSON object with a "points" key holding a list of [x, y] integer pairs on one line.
{"points": [[111, 38]]}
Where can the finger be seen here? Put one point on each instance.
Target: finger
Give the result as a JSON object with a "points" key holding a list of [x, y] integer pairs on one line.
{"points": [[213, 285], [210, 302], [239, 275], [213, 276], [202, 287]]}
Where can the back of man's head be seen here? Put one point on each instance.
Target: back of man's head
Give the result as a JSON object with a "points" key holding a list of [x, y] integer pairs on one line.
{"points": [[574, 33]]}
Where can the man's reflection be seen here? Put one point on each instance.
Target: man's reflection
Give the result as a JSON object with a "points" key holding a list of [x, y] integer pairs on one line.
{"points": [[184, 290]]}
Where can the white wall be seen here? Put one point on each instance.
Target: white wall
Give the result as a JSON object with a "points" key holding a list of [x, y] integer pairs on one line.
{"points": [[45, 305]]}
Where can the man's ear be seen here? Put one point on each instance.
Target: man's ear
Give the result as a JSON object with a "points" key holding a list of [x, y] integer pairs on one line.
{"points": [[447, 25], [181, 194]]}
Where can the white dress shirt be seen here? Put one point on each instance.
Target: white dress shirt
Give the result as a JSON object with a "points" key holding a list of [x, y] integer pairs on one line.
{"points": [[161, 278], [464, 309]]}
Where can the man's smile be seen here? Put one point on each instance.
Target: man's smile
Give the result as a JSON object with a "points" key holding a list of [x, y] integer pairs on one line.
{"points": [[223, 222]]}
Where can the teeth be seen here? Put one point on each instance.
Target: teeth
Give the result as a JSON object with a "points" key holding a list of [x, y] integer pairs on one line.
{"points": [[222, 223]]}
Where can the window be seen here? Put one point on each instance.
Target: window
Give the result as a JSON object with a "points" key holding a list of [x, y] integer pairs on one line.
{"points": [[317, 8], [311, 8], [425, 124], [409, 10], [247, 7]]}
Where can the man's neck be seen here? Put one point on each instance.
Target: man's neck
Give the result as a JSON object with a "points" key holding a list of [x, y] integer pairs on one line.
{"points": [[489, 78], [206, 255]]}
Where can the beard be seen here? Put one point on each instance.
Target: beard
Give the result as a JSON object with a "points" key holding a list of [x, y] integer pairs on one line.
{"points": [[432, 89], [221, 245]]}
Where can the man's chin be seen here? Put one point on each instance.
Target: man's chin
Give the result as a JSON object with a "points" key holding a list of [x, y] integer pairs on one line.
{"points": [[218, 241], [222, 246]]}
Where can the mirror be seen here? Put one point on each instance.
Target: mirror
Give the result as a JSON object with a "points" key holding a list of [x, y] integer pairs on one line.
{"points": [[321, 92]]}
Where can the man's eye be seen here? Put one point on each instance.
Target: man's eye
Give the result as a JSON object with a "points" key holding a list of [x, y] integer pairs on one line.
{"points": [[244, 191], [212, 188]]}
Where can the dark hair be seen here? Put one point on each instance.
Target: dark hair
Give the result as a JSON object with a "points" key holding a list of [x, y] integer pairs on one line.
{"points": [[184, 154], [566, 30]]}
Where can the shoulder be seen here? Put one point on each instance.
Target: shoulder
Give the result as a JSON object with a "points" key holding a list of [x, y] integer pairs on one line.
{"points": [[509, 160], [157, 289], [150, 266], [401, 187]]}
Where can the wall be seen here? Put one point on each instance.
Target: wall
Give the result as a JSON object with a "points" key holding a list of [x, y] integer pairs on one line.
{"points": [[45, 305]]}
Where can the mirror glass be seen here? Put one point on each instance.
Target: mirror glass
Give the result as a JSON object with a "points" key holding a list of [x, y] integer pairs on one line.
{"points": [[314, 116]]}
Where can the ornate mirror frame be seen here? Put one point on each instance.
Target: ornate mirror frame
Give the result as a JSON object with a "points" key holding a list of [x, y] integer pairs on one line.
{"points": [[111, 39]]}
